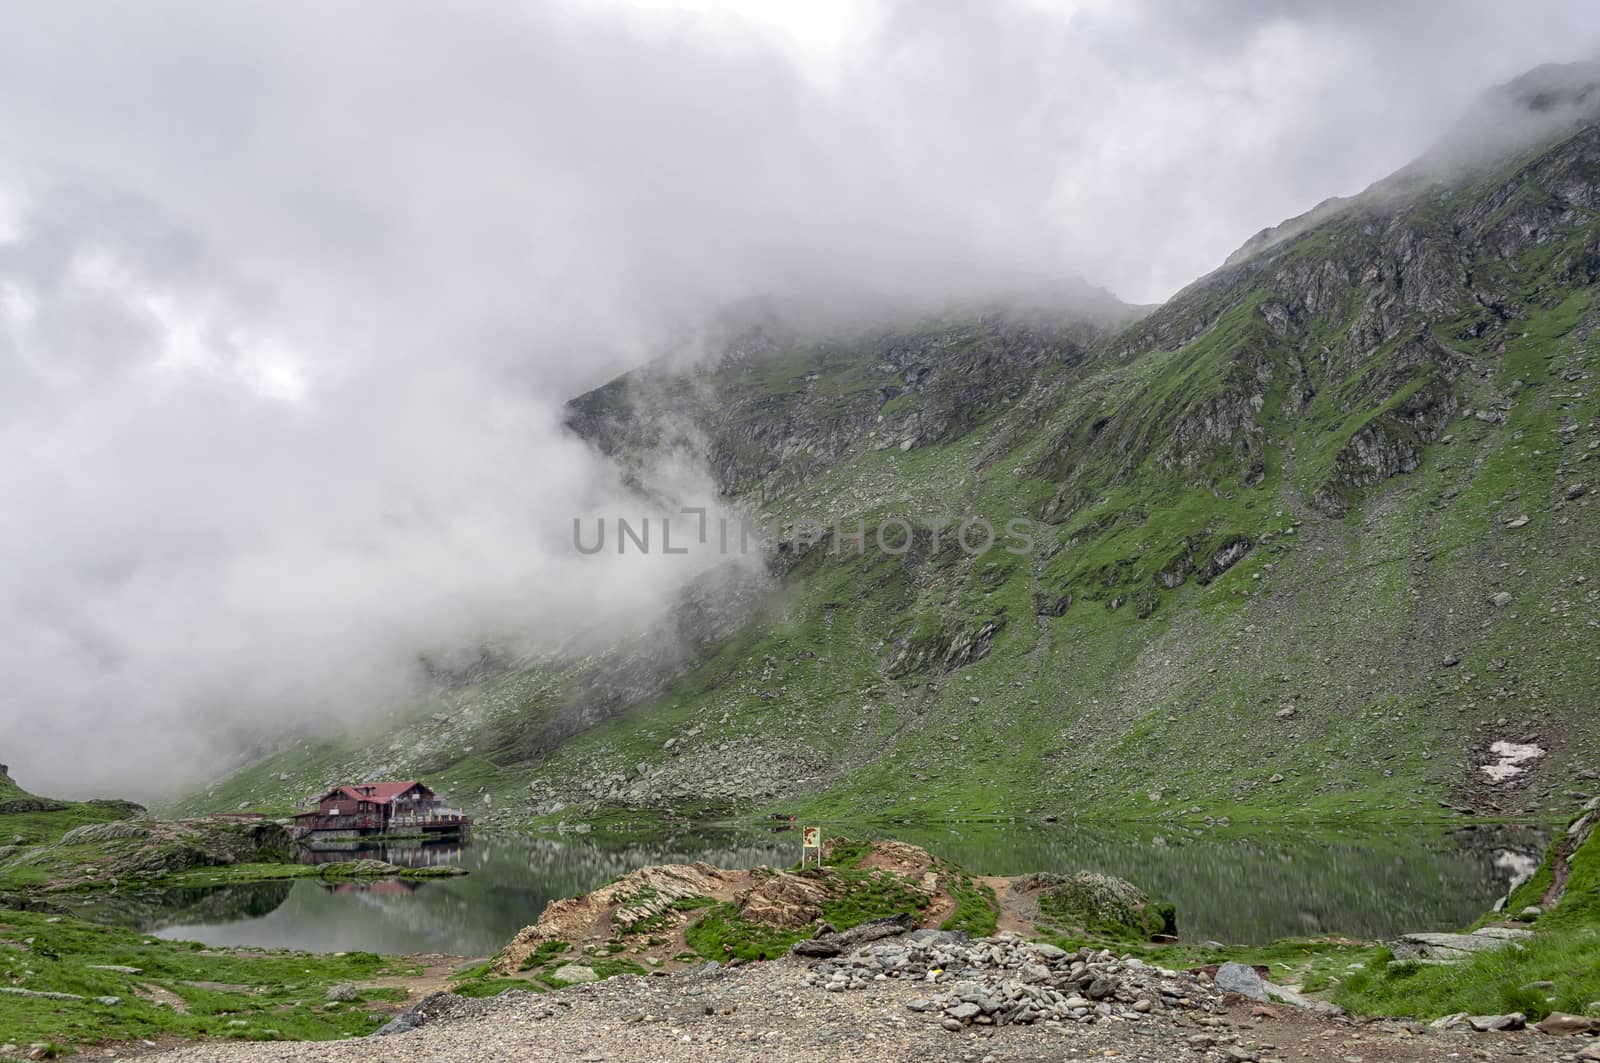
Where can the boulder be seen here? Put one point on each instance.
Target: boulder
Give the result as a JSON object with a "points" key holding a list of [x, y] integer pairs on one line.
{"points": [[1099, 904], [829, 942], [1452, 948], [1243, 979], [1561, 1023], [573, 973], [1497, 1023]]}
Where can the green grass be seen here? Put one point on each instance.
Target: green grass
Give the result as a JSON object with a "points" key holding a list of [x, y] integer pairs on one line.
{"points": [[857, 895], [545, 953], [1316, 965], [1077, 908], [977, 911], [274, 995], [722, 935], [493, 987], [872, 895], [232, 874], [1565, 951], [1491, 983], [537, 973]]}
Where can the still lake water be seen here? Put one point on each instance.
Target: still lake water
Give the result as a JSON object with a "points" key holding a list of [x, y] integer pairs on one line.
{"points": [[1239, 888]]}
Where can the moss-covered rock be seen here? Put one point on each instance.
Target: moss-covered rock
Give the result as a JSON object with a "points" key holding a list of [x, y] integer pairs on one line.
{"points": [[1100, 906]]}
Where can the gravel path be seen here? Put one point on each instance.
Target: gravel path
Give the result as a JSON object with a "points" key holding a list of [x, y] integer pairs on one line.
{"points": [[765, 1012]]}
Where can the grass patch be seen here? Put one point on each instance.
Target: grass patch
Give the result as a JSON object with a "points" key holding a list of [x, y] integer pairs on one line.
{"points": [[977, 911], [722, 935], [1564, 952], [1489, 983], [1104, 909], [493, 987], [274, 995], [547, 951]]}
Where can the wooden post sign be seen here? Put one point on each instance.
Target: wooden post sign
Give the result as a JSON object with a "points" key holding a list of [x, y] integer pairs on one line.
{"points": [[810, 843]]}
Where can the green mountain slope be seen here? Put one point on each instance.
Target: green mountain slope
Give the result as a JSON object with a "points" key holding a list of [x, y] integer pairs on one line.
{"points": [[1313, 536]]}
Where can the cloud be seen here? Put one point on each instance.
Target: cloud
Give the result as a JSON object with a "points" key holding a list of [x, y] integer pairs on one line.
{"points": [[290, 295]]}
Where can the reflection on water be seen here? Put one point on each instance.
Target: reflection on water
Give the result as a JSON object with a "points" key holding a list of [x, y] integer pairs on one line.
{"points": [[1252, 887], [209, 905], [411, 852], [1235, 887], [513, 877]]}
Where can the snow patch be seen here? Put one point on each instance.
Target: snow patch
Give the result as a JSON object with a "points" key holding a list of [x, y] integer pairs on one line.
{"points": [[1521, 866], [1512, 756]]}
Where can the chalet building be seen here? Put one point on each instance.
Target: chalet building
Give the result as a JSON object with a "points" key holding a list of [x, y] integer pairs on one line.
{"points": [[374, 808]]}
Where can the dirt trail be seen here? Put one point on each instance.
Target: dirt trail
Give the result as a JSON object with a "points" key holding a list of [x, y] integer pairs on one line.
{"points": [[438, 973], [1017, 911]]}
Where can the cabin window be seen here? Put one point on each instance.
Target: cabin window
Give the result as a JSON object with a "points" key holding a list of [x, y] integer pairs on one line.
{"points": [[334, 811]]}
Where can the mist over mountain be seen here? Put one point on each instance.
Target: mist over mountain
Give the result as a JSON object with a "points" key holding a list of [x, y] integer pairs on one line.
{"points": [[291, 309]]}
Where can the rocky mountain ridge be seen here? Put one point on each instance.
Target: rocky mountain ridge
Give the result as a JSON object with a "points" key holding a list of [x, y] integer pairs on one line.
{"points": [[1313, 536]]}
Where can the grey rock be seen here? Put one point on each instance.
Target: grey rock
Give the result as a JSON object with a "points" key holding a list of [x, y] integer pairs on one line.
{"points": [[1100, 988], [343, 992], [1452, 948], [573, 973], [38, 994], [1497, 1023], [1241, 978], [939, 937], [1565, 1024]]}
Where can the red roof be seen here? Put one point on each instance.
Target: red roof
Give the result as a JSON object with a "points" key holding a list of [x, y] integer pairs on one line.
{"points": [[377, 792]]}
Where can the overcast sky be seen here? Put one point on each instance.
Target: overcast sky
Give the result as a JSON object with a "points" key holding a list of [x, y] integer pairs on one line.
{"points": [[290, 293]]}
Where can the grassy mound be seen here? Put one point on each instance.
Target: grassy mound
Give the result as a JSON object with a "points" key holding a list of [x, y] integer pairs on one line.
{"points": [[1098, 906]]}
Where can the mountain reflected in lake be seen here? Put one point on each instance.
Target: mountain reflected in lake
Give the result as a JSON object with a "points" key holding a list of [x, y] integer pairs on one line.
{"points": [[1233, 886], [187, 906]]}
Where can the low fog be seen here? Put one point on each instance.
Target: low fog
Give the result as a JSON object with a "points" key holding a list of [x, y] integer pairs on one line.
{"points": [[291, 294]]}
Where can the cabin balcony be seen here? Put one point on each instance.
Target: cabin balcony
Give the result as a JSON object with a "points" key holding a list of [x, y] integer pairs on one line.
{"points": [[314, 823], [435, 821]]}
